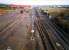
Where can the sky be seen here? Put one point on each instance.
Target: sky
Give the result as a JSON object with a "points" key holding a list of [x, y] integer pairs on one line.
{"points": [[36, 2]]}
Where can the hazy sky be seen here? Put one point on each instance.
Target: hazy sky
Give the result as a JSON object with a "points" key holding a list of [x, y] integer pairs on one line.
{"points": [[36, 2]]}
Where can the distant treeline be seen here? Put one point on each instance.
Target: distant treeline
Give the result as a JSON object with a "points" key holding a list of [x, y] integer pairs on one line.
{"points": [[4, 6]]}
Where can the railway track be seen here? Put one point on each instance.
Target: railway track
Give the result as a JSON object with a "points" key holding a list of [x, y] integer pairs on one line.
{"points": [[50, 35]]}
